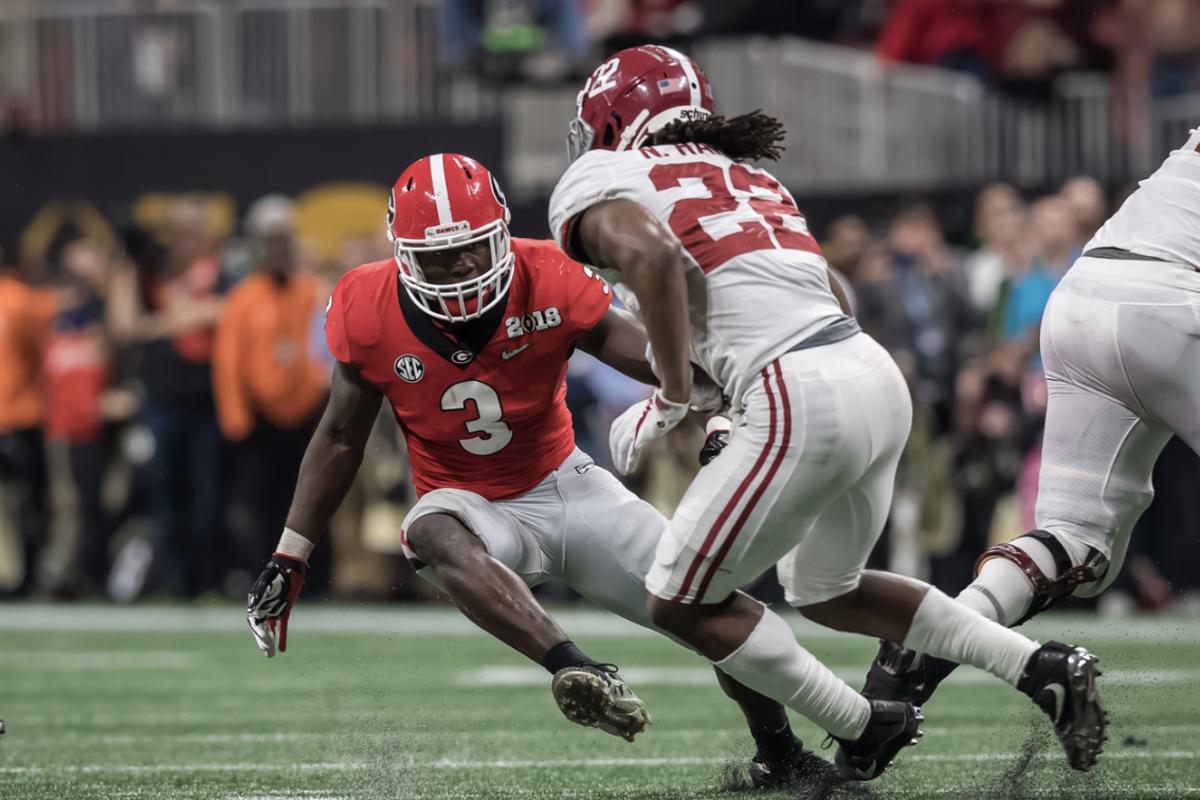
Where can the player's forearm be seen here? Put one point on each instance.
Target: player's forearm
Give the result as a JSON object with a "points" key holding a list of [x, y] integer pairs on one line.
{"points": [[622, 235], [632, 366], [334, 453], [661, 290], [620, 342], [326, 474]]}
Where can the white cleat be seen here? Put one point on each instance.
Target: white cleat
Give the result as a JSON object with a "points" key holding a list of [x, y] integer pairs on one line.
{"points": [[596, 697]]}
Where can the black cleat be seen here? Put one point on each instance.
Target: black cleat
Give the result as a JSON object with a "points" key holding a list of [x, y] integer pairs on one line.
{"points": [[1061, 679], [892, 727], [904, 675], [799, 766]]}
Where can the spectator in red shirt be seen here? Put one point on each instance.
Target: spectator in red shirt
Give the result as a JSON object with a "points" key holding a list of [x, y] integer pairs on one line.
{"points": [[945, 33], [76, 375], [169, 306]]}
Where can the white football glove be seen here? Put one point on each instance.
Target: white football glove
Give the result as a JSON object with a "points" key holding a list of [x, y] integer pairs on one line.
{"points": [[269, 606], [641, 424], [706, 396]]}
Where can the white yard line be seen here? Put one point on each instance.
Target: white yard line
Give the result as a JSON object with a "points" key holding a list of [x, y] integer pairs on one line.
{"points": [[452, 764], [522, 676], [72, 660], [114, 739], [421, 620]]}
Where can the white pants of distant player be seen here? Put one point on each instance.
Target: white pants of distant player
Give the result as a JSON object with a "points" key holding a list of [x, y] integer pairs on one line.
{"points": [[805, 483], [579, 526], [1121, 349]]}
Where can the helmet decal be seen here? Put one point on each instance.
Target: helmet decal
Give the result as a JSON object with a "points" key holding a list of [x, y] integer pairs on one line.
{"points": [[633, 94], [497, 192], [604, 78], [441, 195]]}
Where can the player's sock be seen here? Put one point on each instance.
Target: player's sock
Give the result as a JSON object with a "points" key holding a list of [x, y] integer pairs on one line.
{"points": [[945, 628], [1000, 592], [565, 654], [773, 663]]}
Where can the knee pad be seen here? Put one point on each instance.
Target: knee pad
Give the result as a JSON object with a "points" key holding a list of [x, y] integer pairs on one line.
{"points": [[1068, 575]]}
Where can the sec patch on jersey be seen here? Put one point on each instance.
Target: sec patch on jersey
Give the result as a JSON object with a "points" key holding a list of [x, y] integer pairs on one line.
{"points": [[409, 368]]}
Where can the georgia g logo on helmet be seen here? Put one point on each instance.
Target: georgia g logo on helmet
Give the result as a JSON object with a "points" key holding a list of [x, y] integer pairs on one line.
{"points": [[497, 193]]}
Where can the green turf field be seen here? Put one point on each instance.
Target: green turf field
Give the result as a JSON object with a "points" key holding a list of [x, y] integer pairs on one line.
{"points": [[410, 702]]}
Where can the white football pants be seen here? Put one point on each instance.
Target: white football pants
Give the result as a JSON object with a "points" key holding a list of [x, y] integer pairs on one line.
{"points": [[1120, 342]]}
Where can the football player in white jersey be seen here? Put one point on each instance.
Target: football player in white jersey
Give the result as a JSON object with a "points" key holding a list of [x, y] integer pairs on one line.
{"points": [[1120, 346], [715, 257]]}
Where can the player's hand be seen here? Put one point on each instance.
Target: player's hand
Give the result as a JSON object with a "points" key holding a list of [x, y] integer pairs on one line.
{"points": [[271, 599], [641, 424], [717, 438]]}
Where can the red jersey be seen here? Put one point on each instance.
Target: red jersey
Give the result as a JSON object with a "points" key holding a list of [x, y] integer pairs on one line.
{"points": [[76, 374], [482, 404]]}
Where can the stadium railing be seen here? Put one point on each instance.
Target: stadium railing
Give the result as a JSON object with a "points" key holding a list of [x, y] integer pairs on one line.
{"points": [[85, 65], [857, 125], [851, 125], [854, 124]]}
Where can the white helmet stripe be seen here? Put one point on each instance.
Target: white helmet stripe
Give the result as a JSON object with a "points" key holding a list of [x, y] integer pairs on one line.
{"points": [[690, 74], [441, 196]]}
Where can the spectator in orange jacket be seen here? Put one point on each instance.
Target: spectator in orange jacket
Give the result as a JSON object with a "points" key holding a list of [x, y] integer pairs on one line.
{"points": [[269, 377], [26, 316]]}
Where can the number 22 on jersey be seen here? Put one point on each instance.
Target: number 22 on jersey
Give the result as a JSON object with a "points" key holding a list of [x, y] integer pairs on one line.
{"points": [[744, 211], [495, 434]]}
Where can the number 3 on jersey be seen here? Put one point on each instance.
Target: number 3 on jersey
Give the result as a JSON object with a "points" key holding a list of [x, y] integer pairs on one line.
{"points": [[496, 435], [744, 211]]}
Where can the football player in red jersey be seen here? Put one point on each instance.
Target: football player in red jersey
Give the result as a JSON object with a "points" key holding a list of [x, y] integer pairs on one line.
{"points": [[717, 259], [469, 343]]}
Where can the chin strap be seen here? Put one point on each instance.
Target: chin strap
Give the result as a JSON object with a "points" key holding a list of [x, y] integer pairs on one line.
{"points": [[1045, 591]]}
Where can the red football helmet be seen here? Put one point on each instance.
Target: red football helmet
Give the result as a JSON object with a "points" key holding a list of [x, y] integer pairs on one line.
{"points": [[633, 94], [443, 202]]}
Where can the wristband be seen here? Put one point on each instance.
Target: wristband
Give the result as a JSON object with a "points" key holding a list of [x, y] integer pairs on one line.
{"points": [[293, 545], [717, 422]]}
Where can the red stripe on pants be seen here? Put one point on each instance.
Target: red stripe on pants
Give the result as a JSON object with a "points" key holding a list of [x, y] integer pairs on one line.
{"points": [[715, 530], [754, 498]]}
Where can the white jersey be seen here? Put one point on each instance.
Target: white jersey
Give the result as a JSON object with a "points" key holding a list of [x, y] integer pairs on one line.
{"points": [[759, 284], [1162, 218]]}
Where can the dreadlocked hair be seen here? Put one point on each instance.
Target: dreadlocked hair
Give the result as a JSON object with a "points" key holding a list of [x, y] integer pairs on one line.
{"points": [[746, 137]]}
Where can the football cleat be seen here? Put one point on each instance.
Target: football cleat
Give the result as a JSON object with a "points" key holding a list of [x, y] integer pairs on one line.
{"points": [[797, 767], [904, 675], [1061, 679], [892, 727], [594, 695]]}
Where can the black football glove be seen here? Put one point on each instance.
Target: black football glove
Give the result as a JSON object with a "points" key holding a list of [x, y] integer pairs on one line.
{"points": [[271, 599], [715, 442]]}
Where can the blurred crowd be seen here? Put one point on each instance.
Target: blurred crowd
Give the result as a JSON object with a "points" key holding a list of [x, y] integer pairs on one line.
{"points": [[1022, 45], [156, 397]]}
